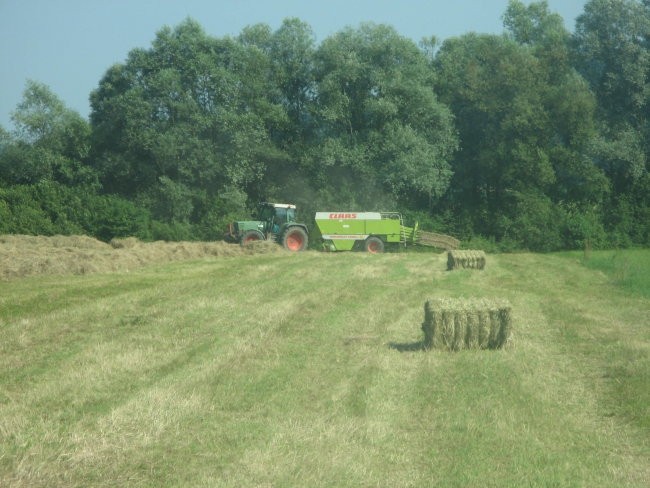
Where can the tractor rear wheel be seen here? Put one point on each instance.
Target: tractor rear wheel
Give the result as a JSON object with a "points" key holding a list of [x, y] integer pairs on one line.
{"points": [[250, 236], [374, 245], [295, 239]]}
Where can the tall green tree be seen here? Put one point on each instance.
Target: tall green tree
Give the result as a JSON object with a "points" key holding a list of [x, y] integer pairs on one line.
{"points": [[291, 51], [49, 187], [524, 121], [49, 143], [290, 70], [580, 186], [612, 51], [535, 26], [189, 116], [380, 124]]}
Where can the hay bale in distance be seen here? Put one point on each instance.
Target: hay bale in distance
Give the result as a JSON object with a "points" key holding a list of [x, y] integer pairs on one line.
{"points": [[473, 259], [455, 324]]}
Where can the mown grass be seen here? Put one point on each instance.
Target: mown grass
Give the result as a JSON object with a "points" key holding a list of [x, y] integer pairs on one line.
{"points": [[627, 269], [307, 370]]}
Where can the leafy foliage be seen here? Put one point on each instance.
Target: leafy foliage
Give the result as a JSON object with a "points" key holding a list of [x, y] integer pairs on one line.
{"points": [[380, 120], [50, 208], [537, 138]]}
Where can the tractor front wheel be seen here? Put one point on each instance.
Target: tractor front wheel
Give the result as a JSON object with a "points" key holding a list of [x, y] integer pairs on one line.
{"points": [[250, 236], [295, 239], [374, 245]]}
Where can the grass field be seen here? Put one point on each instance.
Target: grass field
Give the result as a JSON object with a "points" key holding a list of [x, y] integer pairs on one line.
{"points": [[307, 370]]}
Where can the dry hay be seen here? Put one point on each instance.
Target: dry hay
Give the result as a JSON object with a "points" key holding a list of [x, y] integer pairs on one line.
{"points": [[455, 324], [11, 241], [22, 255], [465, 259], [441, 241]]}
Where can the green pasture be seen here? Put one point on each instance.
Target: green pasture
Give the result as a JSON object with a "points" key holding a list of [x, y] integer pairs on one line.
{"points": [[307, 370]]}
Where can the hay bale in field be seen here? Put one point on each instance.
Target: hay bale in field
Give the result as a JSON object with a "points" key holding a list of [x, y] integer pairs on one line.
{"points": [[455, 324], [473, 259]]}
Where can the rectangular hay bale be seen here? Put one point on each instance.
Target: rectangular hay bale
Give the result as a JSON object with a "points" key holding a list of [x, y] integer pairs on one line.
{"points": [[470, 258], [455, 324]]}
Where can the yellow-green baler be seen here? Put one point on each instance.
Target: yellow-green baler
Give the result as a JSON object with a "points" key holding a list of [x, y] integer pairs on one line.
{"points": [[372, 231]]}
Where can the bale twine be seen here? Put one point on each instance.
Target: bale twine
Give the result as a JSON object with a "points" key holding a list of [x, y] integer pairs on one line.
{"points": [[483, 329], [447, 329], [473, 330], [456, 324], [472, 259]]}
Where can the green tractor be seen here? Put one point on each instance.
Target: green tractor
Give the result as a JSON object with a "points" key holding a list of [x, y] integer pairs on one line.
{"points": [[277, 222]]}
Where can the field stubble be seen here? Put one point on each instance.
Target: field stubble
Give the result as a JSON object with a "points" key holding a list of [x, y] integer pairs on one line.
{"points": [[284, 370]]}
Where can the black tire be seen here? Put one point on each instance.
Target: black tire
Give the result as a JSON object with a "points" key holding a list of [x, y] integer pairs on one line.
{"points": [[250, 236], [374, 245], [295, 239]]}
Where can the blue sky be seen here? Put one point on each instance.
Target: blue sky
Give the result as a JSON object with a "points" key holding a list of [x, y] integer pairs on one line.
{"points": [[69, 44]]}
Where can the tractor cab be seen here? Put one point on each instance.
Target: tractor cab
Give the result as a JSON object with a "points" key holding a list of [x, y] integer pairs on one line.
{"points": [[275, 215]]}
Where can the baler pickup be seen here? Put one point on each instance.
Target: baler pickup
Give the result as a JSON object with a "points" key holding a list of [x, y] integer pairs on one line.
{"points": [[441, 241]]}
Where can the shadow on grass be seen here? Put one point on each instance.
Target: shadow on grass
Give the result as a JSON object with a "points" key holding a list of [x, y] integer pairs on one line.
{"points": [[407, 346]]}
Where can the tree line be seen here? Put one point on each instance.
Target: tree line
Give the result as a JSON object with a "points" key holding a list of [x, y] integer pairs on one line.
{"points": [[537, 138]]}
